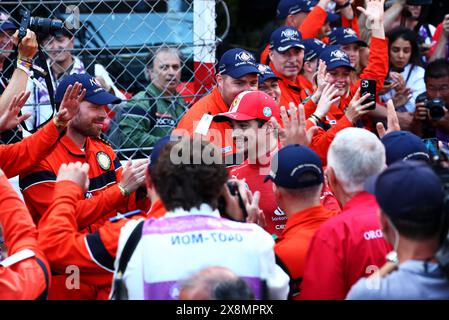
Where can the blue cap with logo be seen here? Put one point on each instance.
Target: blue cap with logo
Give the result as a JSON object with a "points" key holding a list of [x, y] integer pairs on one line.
{"points": [[94, 92], [288, 7], [293, 161], [313, 48], [237, 63], [266, 73], [406, 187], [284, 38], [332, 17], [343, 36], [404, 145], [334, 58]]}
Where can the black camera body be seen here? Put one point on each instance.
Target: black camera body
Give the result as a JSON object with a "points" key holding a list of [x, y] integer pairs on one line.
{"points": [[436, 106], [38, 24]]}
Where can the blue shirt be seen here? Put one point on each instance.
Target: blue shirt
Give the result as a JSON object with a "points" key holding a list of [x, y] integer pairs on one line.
{"points": [[410, 282]]}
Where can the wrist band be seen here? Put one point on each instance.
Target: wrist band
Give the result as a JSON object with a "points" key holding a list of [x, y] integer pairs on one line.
{"points": [[318, 119], [24, 69], [125, 192]]}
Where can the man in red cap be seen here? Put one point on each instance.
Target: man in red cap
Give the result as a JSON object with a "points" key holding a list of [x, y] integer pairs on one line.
{"points": [[255, 135]]}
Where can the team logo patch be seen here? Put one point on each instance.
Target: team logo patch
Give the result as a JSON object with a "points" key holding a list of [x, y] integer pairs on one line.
{"points": [[244, 56], [104, 160], [267, 112], [262, 68], [349, 32]]}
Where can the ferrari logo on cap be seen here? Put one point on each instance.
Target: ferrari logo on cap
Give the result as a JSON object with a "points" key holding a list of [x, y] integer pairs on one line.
{"points": [[104, 160]]}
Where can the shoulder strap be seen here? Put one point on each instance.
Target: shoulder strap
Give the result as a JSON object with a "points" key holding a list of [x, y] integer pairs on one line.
{"points": [[120, 292], [130, 246]]}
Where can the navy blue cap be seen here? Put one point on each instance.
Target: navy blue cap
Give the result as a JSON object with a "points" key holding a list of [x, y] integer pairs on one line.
{"points": [[288, 7], [157, 149], [266, 73], [284, 38], [334, 57], [291, 162], [94, 92], [404, 145], [313, 48], [332, 17], [405, 187], [343, 36], [237, 63]]}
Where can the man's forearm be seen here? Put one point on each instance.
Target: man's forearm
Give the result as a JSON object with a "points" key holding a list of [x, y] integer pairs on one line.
{"points": [[17, 84]]}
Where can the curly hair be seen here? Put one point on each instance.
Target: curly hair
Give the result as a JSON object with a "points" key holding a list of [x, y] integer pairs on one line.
{"points": [[189, 173]]}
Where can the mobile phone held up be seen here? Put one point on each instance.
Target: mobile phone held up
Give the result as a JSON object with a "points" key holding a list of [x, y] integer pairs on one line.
{"points": [[368, 86]]}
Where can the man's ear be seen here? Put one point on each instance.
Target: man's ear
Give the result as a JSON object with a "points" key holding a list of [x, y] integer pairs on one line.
{"points": [[219, 78]]}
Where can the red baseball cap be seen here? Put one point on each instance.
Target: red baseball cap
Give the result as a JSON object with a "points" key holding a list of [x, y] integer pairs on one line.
{"points": [[250, 105]]}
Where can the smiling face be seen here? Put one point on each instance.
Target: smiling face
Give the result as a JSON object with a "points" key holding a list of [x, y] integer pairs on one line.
{"points": [[271, 87], [89, 120], [341, 78], [400, 53], [230, 87], [288, 63], [58, 48]]}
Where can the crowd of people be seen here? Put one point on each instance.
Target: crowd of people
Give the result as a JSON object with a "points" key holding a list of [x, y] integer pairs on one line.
{"points": [[290, 179]]}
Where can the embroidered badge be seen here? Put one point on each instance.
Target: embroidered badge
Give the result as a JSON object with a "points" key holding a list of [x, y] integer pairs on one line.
{"points": [[104, 160]]}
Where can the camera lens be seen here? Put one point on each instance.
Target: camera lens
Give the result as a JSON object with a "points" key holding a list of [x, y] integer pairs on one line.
{"points": [[436, 108], [45, 25]]}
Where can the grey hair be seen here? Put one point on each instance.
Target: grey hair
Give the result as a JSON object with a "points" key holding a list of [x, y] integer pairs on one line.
{"points": [[152, 54], [355, 155]]}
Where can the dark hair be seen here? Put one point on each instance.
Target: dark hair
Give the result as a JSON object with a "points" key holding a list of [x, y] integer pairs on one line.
{"points": [[421, 224], [437, 69], [185, 178], [232, 290], [407, 35]]}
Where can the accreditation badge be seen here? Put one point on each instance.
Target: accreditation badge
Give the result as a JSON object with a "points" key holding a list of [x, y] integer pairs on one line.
{"points": [[104, 160]]}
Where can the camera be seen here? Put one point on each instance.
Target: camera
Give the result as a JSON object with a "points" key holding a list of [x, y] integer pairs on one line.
{"points": [[436, 106], [38, 24]]}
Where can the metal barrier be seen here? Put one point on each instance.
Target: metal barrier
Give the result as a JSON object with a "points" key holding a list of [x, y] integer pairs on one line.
{"points": [[112, 40]]}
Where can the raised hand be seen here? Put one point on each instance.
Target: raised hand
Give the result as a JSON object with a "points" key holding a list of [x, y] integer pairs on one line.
{"points": [[294, 130], [28, 47], [10, 119], [328, 98], [375, 17], [70, 103], [392, 121], [76, 172]]}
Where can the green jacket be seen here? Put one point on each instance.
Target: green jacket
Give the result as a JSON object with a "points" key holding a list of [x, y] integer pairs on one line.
{"points": [[149, 116]]}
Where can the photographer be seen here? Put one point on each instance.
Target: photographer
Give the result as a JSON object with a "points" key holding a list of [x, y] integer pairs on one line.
{"points": [[410, 196], [27, 49], [431, 117]]}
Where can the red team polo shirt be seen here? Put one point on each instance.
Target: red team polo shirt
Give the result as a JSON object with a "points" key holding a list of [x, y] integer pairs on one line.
{"points": [[344, 249]]}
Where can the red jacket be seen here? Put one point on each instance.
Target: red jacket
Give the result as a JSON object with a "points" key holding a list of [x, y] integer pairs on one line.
{"points": [[344, 249], [219, 132], [291, 247], [103, 199], [376, 69], [19, 157], [29, 277], [275, 218], [308, 29], [94, 253]]}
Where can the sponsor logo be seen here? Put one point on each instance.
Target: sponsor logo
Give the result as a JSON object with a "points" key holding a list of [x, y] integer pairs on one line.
{"points": [[373, 234], [263, 68], [338, 54], [349, 32], [279, 212], [244, 56]]}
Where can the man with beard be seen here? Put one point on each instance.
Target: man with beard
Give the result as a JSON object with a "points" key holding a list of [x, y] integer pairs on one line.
{"points": [[154, 112], [112, 189]]}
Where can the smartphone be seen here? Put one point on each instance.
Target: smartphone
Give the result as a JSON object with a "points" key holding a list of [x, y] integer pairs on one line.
{"points": [[431, 146], [368, 86]]}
